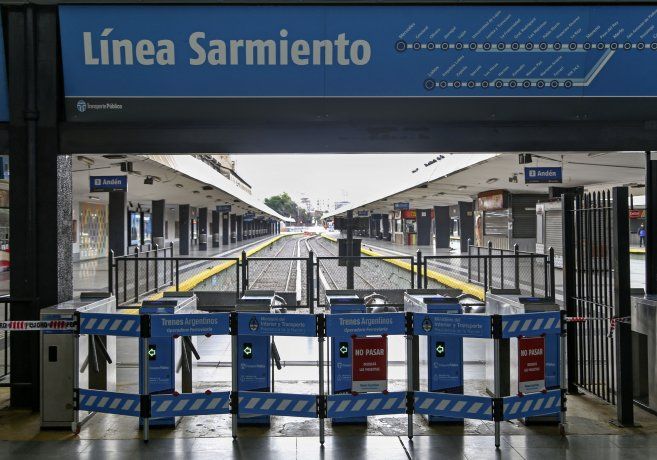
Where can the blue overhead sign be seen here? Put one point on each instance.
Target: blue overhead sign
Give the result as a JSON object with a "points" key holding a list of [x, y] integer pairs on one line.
{"points": [[113, 55], [363, 213], [401, 206], [108, 183], [224, 208], [543, 175]]}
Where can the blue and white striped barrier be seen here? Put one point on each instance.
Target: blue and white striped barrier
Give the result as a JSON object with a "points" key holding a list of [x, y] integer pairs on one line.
{"points": [[363, 404], [454, 406], [110, 324], [531, 324], [533, 404], [260, 403], [109, 402], [190, 404]]}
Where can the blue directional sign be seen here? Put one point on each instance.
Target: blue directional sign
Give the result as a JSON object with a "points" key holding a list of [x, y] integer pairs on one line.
{"points": [[401, 206], [348, 324], [114, 54], [189, 324], [297, 325], [224, 208], [108, 183], [363, 213], [476, 326], [543, 175]]}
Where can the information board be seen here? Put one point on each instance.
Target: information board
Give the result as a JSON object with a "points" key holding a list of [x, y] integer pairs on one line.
{"points": [[369, 370]]}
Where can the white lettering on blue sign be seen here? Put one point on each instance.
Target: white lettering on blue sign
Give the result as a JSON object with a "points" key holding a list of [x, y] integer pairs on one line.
{"points": [[103, 50]]}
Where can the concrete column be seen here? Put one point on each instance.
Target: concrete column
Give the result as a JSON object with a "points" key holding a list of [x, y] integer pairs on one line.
{"points": [[423, 221], [157, 222], [184, 230], [240, 228], [443, 226], [386, 226], [203, 229], [215, 229], [233, 228], [225, 228], [466, 223], [651, 225], [117, 222]]}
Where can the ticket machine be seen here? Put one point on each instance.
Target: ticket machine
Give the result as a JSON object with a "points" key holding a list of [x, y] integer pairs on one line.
{"points": [[439, 359]]}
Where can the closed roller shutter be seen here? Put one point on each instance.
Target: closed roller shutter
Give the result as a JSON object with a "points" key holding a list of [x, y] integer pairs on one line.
{"points": [[553, 230], [523, 208]]}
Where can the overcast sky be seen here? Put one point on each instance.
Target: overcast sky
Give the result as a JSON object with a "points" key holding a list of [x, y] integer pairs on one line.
{"points": [[331, 178]]}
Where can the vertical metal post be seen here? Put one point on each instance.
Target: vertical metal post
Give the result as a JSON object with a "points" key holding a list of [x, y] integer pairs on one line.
{"points": [[234, 380], [110, 272], [516, 264], [568, 232], [136, 273], [321, 387], [177, 275], [310, 282], [490, 263], [498, 383], [410, 385], [76, 375], [418, 266], [651, 225], [469, 261], [622, 308], [562, 371], [485, 275], [245, 272], [155, 267], [350, 246], [171, 267], [551, 283], [145, 377], [425, 271]]}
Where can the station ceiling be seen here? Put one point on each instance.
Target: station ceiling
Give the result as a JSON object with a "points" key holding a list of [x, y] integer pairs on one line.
{"points": [[595, 170], [179, 180]]}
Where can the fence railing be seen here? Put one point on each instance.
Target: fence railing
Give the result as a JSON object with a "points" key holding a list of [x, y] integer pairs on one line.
{"points": [[304, 280], [5, 368]]}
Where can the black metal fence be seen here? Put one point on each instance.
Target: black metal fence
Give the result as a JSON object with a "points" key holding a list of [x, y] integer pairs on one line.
{"points": [[5, 368], [597, 289]]}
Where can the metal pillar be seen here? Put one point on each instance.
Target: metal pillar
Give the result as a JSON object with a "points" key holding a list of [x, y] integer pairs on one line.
{"points": [[240, 228], [466, 224], [203, 229], [41, 187], [443, 226], [569, 285], [651, 224], [215, 229], [350, 245], [117, 222], [423, 220], [183, 232], [623, 309], [225, 228], [157, 221]]}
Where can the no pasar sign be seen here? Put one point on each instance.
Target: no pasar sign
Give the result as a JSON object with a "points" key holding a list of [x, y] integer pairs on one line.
{"points": [[370, 364]]}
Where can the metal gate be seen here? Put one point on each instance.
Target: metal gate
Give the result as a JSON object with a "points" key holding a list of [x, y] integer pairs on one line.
{"points": [[597, 291]]}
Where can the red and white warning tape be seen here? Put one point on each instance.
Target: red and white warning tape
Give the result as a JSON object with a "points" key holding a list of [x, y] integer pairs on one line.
{"points": [[54, 325], [612, 321]]}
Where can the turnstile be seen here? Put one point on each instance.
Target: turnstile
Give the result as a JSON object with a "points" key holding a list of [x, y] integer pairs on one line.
{"points": [[510, 303], [439, 359], [67, 362], [254, 353], [340, 350], [169, 360]]}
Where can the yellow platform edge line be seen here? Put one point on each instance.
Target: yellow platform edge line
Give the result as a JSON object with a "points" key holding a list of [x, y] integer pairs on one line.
{"points": [[637, 250], [195, 280], [466, 288]]}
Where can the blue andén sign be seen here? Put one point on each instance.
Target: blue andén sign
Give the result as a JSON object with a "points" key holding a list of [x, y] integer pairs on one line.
{"points": [[543, 175], [108, 183]]}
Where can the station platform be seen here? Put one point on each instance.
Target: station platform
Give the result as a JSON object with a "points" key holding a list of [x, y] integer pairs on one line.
{"points": [[91, 275]]}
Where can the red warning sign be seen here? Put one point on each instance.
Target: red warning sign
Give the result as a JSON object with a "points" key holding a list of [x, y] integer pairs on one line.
{"points": [[531, 364], [369, 370]]}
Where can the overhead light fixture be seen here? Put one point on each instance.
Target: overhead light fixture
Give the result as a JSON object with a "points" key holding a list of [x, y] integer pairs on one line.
{"points": [[440, 193], [208, 187], [86, 160], [236, 201], [126, 166], [130, 204], [492, 180], [514, 179], [524, 158], [148, 180], [209, 197], [179, 185], [115, 156], [94, 198], [461, 187], [196, 192]]}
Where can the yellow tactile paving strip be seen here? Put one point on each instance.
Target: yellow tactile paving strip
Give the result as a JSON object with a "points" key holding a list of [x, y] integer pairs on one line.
{"points": [[466, 288]]}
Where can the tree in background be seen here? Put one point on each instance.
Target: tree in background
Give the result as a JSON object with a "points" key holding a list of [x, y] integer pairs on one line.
{"points": [[286, 206]]}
